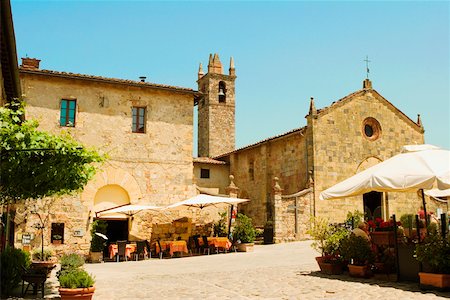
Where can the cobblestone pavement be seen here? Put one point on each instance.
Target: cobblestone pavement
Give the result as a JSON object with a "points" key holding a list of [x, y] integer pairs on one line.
{"points": [[282, 271]]}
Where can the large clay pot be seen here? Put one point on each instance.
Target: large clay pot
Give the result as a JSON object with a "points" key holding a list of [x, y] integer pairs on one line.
{"points": [[441, 281], [359, 271], [96, 257], [245, 247], [76, 294]]}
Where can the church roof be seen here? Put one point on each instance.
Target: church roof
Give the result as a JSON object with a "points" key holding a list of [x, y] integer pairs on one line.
{"points": [[293, 131], [342, 101], [208, 160], [70, 75]]}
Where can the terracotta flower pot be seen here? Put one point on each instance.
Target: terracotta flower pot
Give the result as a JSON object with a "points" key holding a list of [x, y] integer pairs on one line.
{"points": [[435, 280], [359, 271], [76, 294], [245, 247]]}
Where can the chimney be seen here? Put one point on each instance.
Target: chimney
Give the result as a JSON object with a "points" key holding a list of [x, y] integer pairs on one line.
{"points": [[367, 84], [30, 63], [142, 78]]}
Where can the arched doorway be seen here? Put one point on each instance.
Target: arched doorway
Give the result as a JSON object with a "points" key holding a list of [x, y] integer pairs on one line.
{"points": [[372, 202], [110, 196]]}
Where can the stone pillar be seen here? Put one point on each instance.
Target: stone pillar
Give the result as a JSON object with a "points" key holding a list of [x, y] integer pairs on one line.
{"points": [[232, 190], [277, 212]]}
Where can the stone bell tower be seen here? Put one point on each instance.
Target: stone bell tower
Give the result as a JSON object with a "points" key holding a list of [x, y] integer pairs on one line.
{"points": [[216, 110]]}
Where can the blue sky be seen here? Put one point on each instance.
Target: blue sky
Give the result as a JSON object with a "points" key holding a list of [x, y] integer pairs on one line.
{"points": [[284, 52]]}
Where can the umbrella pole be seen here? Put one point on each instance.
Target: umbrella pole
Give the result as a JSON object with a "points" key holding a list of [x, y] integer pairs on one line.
{"points": [[424, 210], [229, 221]]}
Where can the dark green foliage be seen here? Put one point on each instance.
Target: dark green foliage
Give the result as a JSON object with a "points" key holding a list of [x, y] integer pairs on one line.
{"points": [[357, 250], [244, 230], [75, 278], [13, 264], [220, 227], [97, 242], [71, 260], [435, 252], [36, 254], [67, 167]]}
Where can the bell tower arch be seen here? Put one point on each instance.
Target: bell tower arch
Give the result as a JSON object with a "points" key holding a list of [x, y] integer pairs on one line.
{"points": [[216, 110]]}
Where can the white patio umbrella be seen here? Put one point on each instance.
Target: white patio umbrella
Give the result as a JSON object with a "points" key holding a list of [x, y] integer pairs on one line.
{"points": [[202, 200], [129, 209], [418, 167]]}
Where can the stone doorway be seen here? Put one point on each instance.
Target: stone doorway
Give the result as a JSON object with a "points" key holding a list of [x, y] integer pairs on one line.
{"points": [[372, 205], [117, 230]]}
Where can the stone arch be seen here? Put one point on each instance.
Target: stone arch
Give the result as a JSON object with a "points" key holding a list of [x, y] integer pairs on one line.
{"points": [[113, 177], [367, 163]]}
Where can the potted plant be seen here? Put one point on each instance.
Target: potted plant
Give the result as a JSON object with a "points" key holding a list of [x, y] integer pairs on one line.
{"points": [[74, 281], [43, 259], [12, 263], [383, 233], [220, 227], [98, 243], [327, 241], [244, 232], [358, 252], [434, 254]]}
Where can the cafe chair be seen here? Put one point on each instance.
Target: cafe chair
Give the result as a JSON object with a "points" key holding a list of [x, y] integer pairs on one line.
{"points": [[121, 250], [206, 247], [162, 251], [140, 250]]}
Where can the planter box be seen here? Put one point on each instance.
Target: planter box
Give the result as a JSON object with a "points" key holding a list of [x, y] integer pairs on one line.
{"points": [[76, 294], [359, 271], [245, 247], [382, 237], [441, 281]]}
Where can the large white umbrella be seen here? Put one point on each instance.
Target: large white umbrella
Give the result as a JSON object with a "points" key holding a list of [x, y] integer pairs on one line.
{"points": [[202, 200], [418, 167], [129, 209]]}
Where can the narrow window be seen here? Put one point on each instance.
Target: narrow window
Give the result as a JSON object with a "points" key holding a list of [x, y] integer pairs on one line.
{"points": [[222, 92], [204, 173], [251, 170], [67, 113], [138, 120], [57, 236]]}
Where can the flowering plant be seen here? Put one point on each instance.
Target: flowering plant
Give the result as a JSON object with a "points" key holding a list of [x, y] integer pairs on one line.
{"points": [[380, 225]]}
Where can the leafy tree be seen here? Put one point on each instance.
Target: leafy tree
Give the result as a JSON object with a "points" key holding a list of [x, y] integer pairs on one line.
{"points": [[59, 166]]}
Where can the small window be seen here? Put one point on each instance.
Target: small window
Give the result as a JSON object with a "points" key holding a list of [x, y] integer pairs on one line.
{"points": [[371, 129], [222, 92], [138, 119], [251, 170], [204, 173], [57, 236], [67, 113]]}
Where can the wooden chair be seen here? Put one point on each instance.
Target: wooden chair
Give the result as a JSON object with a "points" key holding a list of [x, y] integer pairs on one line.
{"points": [[205, 246], [121, 250], [140, 250], [162, 251]]}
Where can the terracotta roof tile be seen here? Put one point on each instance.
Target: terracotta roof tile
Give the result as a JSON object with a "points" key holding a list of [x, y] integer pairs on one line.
{"points": [[263, 141], [208, 160], [107, 80]]}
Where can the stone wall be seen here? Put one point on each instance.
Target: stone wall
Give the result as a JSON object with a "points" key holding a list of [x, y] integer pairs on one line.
{"points": [[340, 146], [218, 179], [153, 168], [254, 168]]}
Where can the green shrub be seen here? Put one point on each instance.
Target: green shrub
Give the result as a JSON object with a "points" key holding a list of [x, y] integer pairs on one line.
{"points": [[220, 227], [71, 260], [36, 254], [97, 242], [333, 243], [13, 263], [357, 250], [320, 231], [408, 221], [75, 278], [244, 230], [435, 251], [356, 217]]}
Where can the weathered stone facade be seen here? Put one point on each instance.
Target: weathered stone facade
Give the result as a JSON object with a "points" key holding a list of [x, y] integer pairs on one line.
{"points": [[216, 110], [352, 134], [154, 167]]}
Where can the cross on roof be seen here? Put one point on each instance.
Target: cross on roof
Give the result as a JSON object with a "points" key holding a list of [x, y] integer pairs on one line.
{"points": [[367, 66]]}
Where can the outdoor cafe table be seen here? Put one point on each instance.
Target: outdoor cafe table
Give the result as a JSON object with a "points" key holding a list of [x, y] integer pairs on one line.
{"points": [[174, 246], [218, 242], [130, 248]]}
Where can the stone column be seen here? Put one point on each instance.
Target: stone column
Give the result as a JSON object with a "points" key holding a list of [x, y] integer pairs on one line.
{"points": [[232, 190], [277, 213]]}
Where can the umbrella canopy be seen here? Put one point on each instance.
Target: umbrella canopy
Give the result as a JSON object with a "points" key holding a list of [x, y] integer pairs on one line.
{"points": [[129, 210], [418, 167], [438, 193], [203, 200]]}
